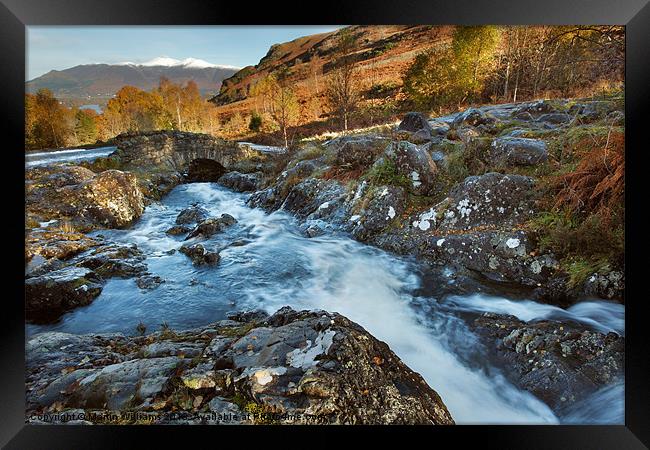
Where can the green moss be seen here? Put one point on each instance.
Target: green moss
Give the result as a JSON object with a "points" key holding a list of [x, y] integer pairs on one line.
{"points": [[385, 173], [237, 331], [579, 269]]}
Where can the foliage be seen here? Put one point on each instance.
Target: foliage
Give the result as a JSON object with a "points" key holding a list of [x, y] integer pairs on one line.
{"points": [[385, 172], [255, 122], [48, 124], [284, 106], [445, 76], [86, 126], [598, 182]]}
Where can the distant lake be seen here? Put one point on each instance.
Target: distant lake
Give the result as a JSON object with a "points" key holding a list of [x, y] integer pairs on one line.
{"points": [[96, 108]]}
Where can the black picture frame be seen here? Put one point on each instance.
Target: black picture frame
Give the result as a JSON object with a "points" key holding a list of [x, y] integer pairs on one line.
{"points": [[15, 15]]}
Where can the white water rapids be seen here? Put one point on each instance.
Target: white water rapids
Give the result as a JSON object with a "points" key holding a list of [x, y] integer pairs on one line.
{"points": [[266, 263]]}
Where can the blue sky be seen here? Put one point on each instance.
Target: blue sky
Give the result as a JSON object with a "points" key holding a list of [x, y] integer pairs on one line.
{"points": [[61, 47]]}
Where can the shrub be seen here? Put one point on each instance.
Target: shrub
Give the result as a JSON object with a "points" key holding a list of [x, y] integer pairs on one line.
{"points": [[255, 122]]}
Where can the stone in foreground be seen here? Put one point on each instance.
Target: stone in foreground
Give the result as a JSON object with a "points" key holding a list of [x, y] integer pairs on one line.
{"points": [[291, 367]]}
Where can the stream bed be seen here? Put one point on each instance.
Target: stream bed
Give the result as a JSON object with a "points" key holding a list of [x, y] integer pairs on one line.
{"points": [[266, 263]]}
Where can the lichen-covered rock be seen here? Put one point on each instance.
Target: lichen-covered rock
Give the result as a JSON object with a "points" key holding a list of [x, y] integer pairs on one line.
{"points": [[314, 198], [56, 243], [357, 151], [268, 199], [241, 182], [111, 198], [502, 256], [193, 214], [537, 108], [292, 367], [209, 227], [491, 199], [559, 363], [609, 285], [50, 295], [518, 151], [415, 164], [385, 204]]}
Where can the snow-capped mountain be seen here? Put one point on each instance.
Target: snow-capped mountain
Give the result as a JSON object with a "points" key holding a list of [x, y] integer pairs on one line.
{"points": [[101, 81], [165, 61]]}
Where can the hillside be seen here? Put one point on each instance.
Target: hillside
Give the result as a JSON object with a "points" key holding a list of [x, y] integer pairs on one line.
{"points": [[382, 54], [100, 81]]}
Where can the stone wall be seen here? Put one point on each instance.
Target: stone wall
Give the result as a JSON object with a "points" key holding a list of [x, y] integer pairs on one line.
{"points": [[176, 150]]}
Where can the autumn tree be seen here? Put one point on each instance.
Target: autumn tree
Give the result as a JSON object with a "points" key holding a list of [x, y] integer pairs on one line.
{"points": [[452, 75], [48, 123], [342, 91], [284, 107], [86, 126]]}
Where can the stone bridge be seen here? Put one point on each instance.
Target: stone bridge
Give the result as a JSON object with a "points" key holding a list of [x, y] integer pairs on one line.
{"points": [[201, 156]]}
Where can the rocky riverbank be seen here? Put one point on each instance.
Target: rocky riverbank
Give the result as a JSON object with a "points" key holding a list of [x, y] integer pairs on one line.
{"points": [[291, 367], [457, 192]]}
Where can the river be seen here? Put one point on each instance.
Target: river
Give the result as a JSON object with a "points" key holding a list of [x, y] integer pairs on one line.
{"points": [[72, 155], [267, 263]]}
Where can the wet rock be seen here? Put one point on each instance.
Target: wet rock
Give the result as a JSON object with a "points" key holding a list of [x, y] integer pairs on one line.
{"points": [[292, 364], [415, 164], [112, 260], [242, 182], [193, 214], [56, 243], [559, 363], [177, 230], [268, 199], [199, 255], [517, 151], [556, 291], [50, 295], [148, 282], [314, 198], [212, 226], [490, 199]]}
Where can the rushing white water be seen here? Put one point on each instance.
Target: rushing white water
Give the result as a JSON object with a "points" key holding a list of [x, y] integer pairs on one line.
{"points": [[70, 155], [601, 315], [266, 263]]}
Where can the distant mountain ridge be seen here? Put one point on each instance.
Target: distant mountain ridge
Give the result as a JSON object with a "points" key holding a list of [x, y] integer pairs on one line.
{"points": [[101, 81]]}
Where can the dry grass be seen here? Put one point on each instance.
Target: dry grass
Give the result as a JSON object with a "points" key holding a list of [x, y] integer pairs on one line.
{"points": [[598, 181]]}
